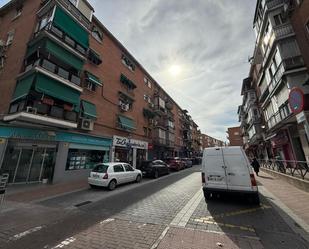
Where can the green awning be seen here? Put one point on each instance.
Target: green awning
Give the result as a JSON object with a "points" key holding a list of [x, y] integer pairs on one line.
{"points": [[126, 123], [89, 110], [53, 88], [22, 87], [94, 79], [67, 24], [57, 51], [126, 81]]}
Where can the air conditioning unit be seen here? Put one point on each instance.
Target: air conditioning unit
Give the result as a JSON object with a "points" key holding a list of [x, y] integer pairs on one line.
{"points": [[31, 109], [86, 124], [125, 107]]}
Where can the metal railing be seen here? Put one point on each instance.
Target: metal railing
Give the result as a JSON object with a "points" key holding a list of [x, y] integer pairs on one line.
{"points": [[297, 169]]}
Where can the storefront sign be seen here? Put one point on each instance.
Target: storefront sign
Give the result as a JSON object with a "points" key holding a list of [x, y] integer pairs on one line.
{"points": [[33, 134], [301, 117], [296, 100], [129, 143]]}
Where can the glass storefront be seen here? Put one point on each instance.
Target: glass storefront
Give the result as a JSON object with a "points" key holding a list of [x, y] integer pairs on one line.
{"points": [[28, 163], [85, 159]]}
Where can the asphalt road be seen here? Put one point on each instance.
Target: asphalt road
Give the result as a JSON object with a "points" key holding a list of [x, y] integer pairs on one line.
{"points": [[140, 213]]}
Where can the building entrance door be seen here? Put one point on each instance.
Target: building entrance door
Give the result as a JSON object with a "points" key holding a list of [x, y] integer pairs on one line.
{"points": [[28, 164]]}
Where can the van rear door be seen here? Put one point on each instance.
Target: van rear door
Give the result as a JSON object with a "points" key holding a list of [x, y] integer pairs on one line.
{"points": [[214, 169], [237, 169]]}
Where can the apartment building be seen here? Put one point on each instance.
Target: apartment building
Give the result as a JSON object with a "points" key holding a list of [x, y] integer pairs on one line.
{"points": [[208, 141], [234, 133], [72, 96], [279, 78]]}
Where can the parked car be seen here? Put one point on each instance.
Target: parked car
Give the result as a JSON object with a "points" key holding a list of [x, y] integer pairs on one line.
{"points": [[227, 169], [154, 168], [112, 174], [175, 163], [187, 162]]}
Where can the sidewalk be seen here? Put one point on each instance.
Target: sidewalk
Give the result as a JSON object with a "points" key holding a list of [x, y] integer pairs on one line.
{"points": [[294, 198], [31, 193]]}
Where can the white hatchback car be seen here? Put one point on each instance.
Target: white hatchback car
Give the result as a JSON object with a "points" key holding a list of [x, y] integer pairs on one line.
{"points": [[111, 174]]}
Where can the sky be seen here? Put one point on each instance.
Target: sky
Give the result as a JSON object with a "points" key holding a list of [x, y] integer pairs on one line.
{"points": [[197, 50]]}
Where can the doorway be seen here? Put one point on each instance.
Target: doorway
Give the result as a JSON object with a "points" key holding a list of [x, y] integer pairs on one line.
{"points": [[28, 164]]}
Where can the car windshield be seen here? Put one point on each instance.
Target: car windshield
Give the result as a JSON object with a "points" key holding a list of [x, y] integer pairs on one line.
{"points": [[100, 168]]}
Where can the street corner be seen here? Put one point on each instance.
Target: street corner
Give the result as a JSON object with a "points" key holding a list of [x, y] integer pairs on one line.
{"points": [[182, 238], [113, 233]]}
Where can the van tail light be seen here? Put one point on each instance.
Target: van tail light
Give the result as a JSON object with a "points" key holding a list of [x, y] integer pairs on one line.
{"points": [[253, 181], [203, 178], [105, 176]]}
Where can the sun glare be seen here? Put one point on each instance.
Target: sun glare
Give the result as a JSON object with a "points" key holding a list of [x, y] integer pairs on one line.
{"points": [[175, 70]]}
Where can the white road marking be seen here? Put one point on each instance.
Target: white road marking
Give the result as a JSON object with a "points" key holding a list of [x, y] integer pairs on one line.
{"points": [[65, 243], [25, 233], [106, 221], [183, 216]]}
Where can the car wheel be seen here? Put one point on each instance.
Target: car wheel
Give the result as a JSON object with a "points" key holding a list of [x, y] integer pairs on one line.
{"points": [[112, 185], [138, 178], [156, 174], [92, 186]]}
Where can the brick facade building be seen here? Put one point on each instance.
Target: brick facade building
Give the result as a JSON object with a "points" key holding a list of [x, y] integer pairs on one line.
{"points": [[72, 96]]}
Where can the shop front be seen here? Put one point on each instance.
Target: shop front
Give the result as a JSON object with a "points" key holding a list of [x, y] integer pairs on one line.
{"points": [[129, 150], [32, 155]]}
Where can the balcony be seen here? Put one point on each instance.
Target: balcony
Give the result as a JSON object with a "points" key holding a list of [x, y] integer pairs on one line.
{"points": [[50, 69], [281, 115], [283, 30], [43, 113], [274, 3], [159, 141]]}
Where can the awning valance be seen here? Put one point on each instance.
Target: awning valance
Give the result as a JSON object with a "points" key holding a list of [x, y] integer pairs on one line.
{"points": [[89, 110], [126, 123], [92, 78], [58, 51], [58, 90], [67, 24], [22, 88], [126, 81]]}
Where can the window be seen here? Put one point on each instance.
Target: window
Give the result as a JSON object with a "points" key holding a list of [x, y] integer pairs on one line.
{"points": [[74, 2], [147, 82], [18, 12], [85, 159], [90, 86], [127, 62], [10, 37], [128, 167], [97, 34], [307, 27], [118, 168], [279, 19], [94, 57]]}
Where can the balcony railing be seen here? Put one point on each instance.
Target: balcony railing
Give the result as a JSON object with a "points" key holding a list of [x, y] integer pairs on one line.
{"points": [[274, 3], [55, 69], [277, 77], [283, 113], [297, 169], [283, 30], [63, 37]]}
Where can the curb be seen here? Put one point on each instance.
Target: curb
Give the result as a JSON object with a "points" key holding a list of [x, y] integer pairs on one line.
{"points": [[297, 182]]}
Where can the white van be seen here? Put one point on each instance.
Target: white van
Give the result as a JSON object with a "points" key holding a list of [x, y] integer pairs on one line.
{"points": [[227, 169]]}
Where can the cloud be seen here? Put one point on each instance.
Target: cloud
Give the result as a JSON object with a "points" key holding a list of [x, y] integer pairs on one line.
{"points": [[210, 39]]}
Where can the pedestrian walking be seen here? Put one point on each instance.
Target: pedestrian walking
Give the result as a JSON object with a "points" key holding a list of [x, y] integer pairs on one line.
{"points": [[256, 166]]}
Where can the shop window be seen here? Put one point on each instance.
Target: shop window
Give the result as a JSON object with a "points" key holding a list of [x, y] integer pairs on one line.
{"points": [[85, 159]]}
